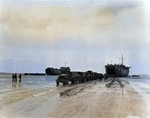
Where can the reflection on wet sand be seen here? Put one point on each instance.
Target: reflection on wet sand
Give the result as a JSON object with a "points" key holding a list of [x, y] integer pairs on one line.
{"points": [[16, 84]]}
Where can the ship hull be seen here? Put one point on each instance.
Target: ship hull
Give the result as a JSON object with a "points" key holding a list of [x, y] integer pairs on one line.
{"points": [[117, 70]]}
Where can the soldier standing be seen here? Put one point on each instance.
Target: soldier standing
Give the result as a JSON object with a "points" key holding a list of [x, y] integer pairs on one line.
{"points": [[20, 77], [15, 76]]}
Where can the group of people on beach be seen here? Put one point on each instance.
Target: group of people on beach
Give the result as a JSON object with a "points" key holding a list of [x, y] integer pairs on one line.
{"points": [[14, 77]]}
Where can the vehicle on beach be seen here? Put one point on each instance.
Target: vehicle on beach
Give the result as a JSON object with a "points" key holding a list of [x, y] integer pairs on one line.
{"points": [[78, 77]]}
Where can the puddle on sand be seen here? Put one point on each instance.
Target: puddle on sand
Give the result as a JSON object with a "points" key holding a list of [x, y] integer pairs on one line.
{"points": [[131, 117]]}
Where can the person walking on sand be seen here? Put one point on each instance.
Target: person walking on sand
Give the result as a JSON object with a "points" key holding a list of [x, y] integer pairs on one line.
{"points": [[20, 77]]}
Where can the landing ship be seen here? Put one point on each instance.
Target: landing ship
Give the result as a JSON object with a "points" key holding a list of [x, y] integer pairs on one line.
{"points": [[117, 70]]}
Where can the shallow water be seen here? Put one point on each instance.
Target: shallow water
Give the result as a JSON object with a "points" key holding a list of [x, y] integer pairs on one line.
{"points": [[141, 84], [142, 87], [28, 81]]}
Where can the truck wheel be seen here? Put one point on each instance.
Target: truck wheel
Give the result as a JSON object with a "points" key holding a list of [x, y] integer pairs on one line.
{"points": [[57, 83], [64, 83], [67, 82]]}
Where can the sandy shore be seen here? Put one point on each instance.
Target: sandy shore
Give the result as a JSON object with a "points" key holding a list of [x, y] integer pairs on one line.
{"points": [[90, 100]]}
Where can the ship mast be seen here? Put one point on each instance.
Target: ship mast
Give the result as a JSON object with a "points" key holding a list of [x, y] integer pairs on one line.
{"points": [[122, 59], [65, 64]]}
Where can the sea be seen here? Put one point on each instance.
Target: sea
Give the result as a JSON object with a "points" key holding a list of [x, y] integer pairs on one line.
{"points": [[27, 81]]}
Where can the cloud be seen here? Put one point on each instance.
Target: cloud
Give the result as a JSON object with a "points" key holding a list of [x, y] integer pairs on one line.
{"points": [[49, 24], [87, 37]]}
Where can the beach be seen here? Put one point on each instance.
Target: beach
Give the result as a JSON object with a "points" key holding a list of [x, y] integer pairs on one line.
{"points": [[87, 100]]}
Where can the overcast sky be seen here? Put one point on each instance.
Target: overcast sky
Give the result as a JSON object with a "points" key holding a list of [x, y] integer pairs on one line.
{"points": [[87, 34]]}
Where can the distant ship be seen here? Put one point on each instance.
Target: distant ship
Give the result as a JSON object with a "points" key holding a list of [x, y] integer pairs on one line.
{"points": [[117, 70]]}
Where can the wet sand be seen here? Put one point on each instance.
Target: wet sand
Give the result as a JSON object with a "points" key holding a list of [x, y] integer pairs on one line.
{"points": [[89, 100]]}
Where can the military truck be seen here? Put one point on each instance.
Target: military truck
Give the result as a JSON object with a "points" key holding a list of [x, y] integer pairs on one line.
{"points": [[78, 77]]}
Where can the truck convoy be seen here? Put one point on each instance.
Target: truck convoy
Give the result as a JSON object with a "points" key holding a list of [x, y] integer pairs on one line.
{"points": [[77, 77]]}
